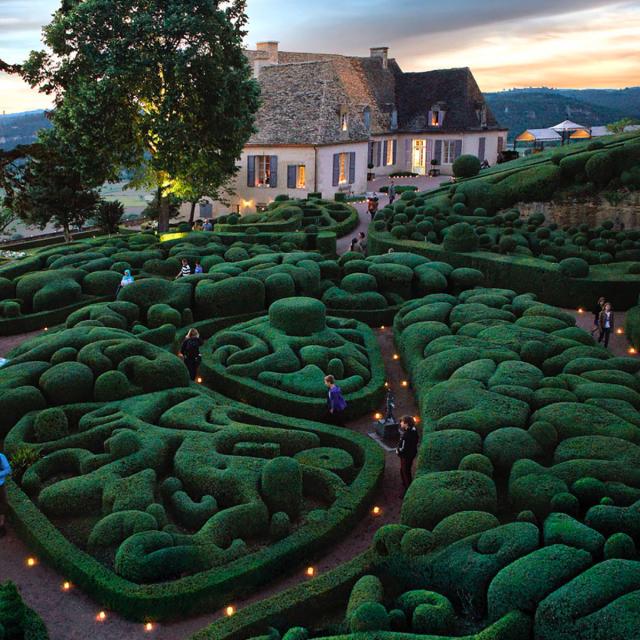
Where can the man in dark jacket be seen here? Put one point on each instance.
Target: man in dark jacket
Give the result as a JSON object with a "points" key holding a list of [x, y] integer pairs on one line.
{"points": [[407, 449]]}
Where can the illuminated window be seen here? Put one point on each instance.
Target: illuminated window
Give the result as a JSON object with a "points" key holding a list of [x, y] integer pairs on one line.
{"points": [[263, 171], [344, 121], [300, 178], [390, 160], [435, 118], [448, 151], [344, 168]]}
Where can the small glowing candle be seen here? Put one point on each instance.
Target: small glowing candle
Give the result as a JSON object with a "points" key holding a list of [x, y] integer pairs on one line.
{"points": [[631, 351], [396, 356], [580, 310], [619, 331], [229, 611], [404, 383], [382, 327], [416, 419], [199, 380], [311, 571], [148, 626], [66, 586], [46, 328], [101, 617], [377, 416], [31, 561], [376, 511]]}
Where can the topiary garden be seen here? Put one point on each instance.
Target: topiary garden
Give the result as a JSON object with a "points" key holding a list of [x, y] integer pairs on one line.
{"points": [[160, 497]]}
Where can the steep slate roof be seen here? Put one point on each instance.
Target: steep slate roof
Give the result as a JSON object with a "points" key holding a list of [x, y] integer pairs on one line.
{"points": [[303, 95], [456, 88]]}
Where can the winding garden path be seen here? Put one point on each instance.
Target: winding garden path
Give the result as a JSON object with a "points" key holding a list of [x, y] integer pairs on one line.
{"points": [[71, 615]]}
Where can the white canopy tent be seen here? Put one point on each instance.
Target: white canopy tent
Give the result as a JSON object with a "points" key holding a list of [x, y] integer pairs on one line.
{"points": [[539, 135], [568, 125]]}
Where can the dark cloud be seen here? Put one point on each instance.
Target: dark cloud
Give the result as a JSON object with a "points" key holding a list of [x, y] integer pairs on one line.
{"points": [[356, 24]]}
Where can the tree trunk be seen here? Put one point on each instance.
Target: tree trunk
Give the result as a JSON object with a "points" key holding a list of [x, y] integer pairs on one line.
{"points": [[192, 213], [163, 218], [67, 232]]}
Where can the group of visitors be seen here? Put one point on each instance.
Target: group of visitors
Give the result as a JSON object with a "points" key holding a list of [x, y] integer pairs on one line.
{"points": [[407, 448], [5, 471], [207, 225], [359, 244], [185, 269], [603, 320]]}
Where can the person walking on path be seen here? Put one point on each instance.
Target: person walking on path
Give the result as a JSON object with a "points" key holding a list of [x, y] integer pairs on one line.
{"points": [[190, 351], [185, 269], [606, 323], [335, 401], [372, 206], [407, 450], [5, 472], [362, 242], [597, 310], [392, 192], [355, 246]]}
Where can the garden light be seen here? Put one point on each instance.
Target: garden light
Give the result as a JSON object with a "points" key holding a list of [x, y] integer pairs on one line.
{"points": [[404, 383], [619, 331], [311, 571], [229, 611], [396, 356], [376, 511], [199, 380], [377, 416], [66, 586], [580, 310], [46, 329], [101, 617], [148, 626], [631, 351], [31, 561], [382, 327]]}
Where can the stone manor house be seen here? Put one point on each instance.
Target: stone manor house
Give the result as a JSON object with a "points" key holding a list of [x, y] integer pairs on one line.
{"points": [[325, 118]]}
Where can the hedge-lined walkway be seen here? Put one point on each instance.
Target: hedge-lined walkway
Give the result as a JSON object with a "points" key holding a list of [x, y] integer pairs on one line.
{"points": [[71, 615]]}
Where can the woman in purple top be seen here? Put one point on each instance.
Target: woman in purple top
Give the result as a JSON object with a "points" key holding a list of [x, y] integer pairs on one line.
{"points": [[335, 401]]}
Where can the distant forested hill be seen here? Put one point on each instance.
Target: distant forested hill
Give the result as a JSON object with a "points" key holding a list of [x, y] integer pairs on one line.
{"points": [[21, 128], [520, 109]]}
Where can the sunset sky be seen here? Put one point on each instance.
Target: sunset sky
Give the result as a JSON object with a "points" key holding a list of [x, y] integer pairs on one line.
{"points": [[507, 43]]}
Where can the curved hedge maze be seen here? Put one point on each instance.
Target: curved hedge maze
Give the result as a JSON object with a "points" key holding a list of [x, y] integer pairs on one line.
{"points": [[160, 497], [524, 518], [280, 361]]}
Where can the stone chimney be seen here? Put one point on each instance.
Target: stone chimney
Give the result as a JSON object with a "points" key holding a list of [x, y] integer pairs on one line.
{"points": [[382, 53], [271, 48]]}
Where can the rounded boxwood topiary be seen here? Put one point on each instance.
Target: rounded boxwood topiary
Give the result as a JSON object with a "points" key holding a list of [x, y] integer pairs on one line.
{"points": [[417, 542], [434, 496], [67, 383], [466, 166], [574, 267], [435, 617], [280, 526], [298, 316], [112, 385], [370, 616], [51, 424], [281, 486], [477, 462], [161, 314], [460, 237], [620, 545]]}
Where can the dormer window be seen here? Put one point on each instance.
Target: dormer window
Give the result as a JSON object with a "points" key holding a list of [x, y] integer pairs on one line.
{"points": [[344, 120], [366, 116], [394, 119], [481, 113], [436, 115]]}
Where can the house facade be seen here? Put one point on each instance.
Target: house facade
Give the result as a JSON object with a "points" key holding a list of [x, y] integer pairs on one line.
{"points": [[326, 118]]}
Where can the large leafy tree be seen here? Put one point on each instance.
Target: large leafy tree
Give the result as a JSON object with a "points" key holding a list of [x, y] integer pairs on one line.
{"points": [[44, 188], [162, 84]]}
